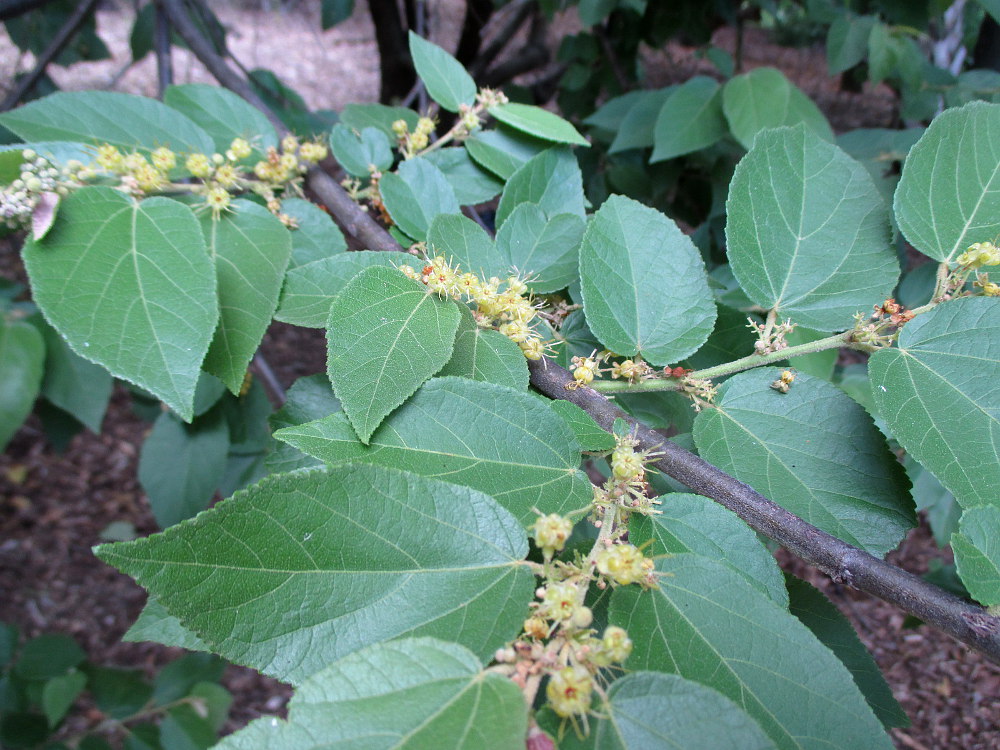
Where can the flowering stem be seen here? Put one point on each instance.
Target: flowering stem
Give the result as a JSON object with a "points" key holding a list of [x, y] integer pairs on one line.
{"points": [[728, 368]]}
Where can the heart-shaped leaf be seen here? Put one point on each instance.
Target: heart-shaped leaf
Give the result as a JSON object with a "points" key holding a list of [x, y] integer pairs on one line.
{"points": [[789, 201], [130, 286], [386, 335], [940, 396]]}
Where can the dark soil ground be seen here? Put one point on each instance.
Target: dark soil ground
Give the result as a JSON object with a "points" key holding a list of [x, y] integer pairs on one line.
{"points": [[54, 507]]}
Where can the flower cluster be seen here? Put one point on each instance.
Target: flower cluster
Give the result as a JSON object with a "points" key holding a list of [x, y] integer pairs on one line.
{"points": [[412, 143], [624, 563], [626, 489], [551, 533], [38, 176], [771, 335], [882, 328], [980, 254], [510, 311]]}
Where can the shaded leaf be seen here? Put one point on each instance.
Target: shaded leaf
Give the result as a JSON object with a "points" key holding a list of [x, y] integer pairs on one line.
{"points": [[464, 243], [764, 98], [503, 150], [72, 383], [181, 465], [691, 119], [415, 194], [157, 625], [977, 553], [588, 433], [472, 183], [487, 355], [358, 153], [250, 249], [316, 236], [22, 362]]}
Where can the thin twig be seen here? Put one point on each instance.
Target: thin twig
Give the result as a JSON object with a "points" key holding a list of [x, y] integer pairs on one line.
{"points": [[968, 623], [162, 45], [271, 382], [518, 13], [59, 41]]}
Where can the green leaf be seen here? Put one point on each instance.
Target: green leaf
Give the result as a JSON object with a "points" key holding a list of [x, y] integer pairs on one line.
{"points": [[552, 180], [546, 250], [610, 115], [789, 201], [463, 242], [120, 693], [302, 569], [446, 80], [360, 116], [358, 153], [333, 12], [386, 335], [729, 340], [123, 120], [415, 194], [472, 183], [814, 451], [538, 122], [310, 288], [949, 193], [49, 655], [504, 442], [316, 236], [638, 125], [835, 632], [655, 710], [130, 286], [847, 41], [75, 385], [59, 693], [692, 523], [22, 359], [588, 433], [764, 98], [482, 354], [940, 396], [222, 114], [157, 625], [977, 553], [930, 496], [645, 290], [503, 150], [308, 399], [705, 623], [409, 693], [691, 119], [184, 729], [176, 679], [181, 465], [250, 249], [820, 364]]}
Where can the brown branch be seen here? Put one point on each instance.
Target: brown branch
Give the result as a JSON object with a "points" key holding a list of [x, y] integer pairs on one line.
{"points": [[518, 13], [533, 54], [349, 215], [968, 623], [161, 43], [59, 41]]}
